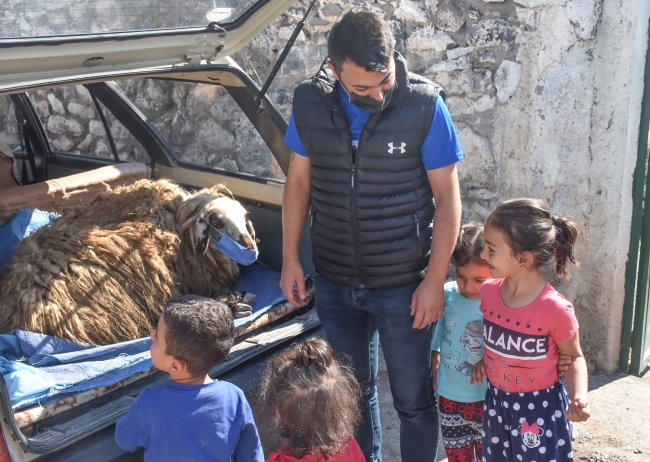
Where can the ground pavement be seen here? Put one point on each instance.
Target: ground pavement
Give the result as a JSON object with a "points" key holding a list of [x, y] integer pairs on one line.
{"points": [[618, 431]]}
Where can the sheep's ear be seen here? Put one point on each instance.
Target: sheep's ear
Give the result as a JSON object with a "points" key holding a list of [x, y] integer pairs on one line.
{"points": [[203, 237]]}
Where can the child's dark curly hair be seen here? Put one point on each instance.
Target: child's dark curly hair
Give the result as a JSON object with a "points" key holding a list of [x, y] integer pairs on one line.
{"points": [[315, 397]]}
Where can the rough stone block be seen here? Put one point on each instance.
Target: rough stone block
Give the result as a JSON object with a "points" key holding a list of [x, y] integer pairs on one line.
{"points": [[507, 79], [56, 103], [96, 128], [81, 110], [464, 106], [85, 145], [490, 32], [449, 17], [489, 57], [412, 12], [458, 52], [464, 62], [425, 39], [538, 3], [584, 15], [63, 144], [42, 108]]}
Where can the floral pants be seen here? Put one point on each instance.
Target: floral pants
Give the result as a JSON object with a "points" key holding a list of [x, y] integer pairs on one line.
{"points": [[461, 429]]}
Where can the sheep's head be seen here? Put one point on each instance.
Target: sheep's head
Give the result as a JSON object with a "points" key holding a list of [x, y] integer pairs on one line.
{"points": [[227, 216]]}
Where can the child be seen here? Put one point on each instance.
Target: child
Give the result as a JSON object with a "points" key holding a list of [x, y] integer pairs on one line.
{"points": [[316, 401], [192, 417], [526, 324], [458, 338]]}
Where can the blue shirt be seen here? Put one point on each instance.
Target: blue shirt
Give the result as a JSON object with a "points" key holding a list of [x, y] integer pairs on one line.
{"points": [[173, 422], [440, 147], [459, 339]]}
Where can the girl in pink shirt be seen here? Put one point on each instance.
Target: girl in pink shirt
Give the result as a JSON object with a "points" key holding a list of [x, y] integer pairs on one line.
{"points": [[527, 323], [316, 400]]}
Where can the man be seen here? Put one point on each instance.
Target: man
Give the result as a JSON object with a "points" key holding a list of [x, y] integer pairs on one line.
{"points": [[372, 147]]}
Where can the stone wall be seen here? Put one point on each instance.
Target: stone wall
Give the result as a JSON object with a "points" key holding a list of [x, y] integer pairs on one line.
{"points": [[545, 96]]}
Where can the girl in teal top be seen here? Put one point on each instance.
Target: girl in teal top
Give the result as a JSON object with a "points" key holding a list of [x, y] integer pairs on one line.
{"points": [[458, 345]]}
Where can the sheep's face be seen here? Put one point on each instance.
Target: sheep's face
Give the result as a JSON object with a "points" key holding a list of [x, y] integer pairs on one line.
{"points": [[229, 217]]}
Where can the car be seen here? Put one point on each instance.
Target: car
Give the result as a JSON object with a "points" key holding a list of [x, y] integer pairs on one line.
{"points": [[83, 106]]}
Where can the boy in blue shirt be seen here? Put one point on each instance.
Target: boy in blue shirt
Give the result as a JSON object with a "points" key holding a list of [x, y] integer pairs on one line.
{"points": [[191, 418]]}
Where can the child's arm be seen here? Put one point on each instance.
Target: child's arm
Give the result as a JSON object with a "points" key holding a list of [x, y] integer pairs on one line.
{"points": [[128, 430], [435, 364], [249, 446], [478, 373], [576, 380], [435, 350]]}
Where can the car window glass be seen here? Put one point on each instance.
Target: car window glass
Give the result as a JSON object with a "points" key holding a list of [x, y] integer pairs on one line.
{"points": [[8, 126], [71, 122], [203, 124], [128, 148], [72, 17]]}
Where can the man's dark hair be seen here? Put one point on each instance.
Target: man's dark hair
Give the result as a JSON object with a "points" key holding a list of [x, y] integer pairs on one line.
{"points": [[200, 331], [363, 38]]}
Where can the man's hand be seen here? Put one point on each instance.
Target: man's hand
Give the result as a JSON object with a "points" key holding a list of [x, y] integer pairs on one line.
{"points": [[292, 282], [435, 364], [578, 410], [426, 304], [478, 373]]}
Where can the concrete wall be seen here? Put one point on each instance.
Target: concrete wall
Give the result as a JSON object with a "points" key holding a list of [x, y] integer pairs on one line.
{"points": [[545, 95]]}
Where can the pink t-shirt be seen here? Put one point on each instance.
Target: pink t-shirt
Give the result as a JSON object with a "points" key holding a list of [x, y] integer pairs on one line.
{"points": [[521, 345]]}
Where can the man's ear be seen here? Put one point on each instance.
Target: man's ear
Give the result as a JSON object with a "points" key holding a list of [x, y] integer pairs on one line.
{"points": [[178, 366], [333, 69]]}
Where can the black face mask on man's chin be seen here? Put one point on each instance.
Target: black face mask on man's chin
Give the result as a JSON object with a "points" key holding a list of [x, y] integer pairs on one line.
{"points": [[367, 103]]}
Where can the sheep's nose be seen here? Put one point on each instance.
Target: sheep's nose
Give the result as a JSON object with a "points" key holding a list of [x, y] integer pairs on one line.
{"points": [[246, 241]]}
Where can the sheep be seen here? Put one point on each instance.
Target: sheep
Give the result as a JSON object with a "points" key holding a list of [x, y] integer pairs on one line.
{"points": [[102, 273]]}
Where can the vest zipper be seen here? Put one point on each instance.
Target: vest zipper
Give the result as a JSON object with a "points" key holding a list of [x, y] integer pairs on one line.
{"points": [[352, 177], [417, 224]]}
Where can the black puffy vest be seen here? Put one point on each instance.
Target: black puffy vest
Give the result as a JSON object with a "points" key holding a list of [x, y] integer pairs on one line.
{"points": [[371, 219]]}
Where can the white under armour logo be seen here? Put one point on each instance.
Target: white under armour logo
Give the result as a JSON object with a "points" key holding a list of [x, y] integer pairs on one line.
{"points": [[401, 148]]}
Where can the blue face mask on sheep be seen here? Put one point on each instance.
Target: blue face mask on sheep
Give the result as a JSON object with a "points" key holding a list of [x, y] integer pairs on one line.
{"points": [[230, 248]]}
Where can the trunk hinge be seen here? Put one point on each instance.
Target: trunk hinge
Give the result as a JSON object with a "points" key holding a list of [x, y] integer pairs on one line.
{"points": [[283, 55]]}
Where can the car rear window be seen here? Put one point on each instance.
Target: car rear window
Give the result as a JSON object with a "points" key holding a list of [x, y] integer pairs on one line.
{"points": [[36, 18]]}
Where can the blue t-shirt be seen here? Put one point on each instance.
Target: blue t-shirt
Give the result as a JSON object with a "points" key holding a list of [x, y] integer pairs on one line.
{"points": [[173, 422], [440, 147], [459, 339]]}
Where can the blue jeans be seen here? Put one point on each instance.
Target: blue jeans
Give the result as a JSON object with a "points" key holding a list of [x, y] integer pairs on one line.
{"points": [[354, 320]]}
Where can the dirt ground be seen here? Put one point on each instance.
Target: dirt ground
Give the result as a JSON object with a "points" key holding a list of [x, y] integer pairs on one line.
{"points": [[618, 431]]}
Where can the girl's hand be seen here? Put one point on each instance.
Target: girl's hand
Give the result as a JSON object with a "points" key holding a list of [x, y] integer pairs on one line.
{"points": [[563, 363], [478, 373], [578, 410]]}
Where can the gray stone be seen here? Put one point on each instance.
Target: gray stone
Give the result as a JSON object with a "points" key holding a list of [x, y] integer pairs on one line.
{"points": [[63, 144], [331, 10], [228, 165], [449, 17], [507, 79], [96, 128], [538, 3], [56, 103], [42, 109], [469, 83], [464, 106], [254, 162], [182, 133], [56, 124], [81, 110], [119, 131], [412, 12], [458, 52], [102, 149], [212, 137], [584, 15], [490, 32], [86, 143], [473, 14], [152, 99], [426, 39], [84, 95], [494, 1], [489, 57], [464, 62]]}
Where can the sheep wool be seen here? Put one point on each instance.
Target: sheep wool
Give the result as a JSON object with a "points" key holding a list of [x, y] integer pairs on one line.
{"points": [[102, 273]]}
